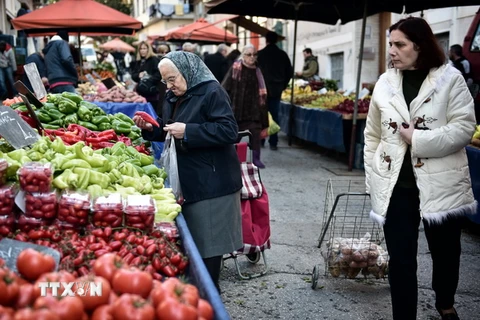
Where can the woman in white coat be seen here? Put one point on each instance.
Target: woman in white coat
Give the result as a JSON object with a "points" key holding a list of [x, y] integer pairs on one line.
{"points": [[421, 117]]}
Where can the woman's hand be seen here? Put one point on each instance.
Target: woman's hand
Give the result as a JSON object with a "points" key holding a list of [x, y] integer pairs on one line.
{"points": [[407, 133], [176, 129], [142, 124]]}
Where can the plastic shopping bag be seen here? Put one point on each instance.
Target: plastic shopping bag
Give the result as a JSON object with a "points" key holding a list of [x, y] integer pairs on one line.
{"points": [[168, 161], [273, 128]]}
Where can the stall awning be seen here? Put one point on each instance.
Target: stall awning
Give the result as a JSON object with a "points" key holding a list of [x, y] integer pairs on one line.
{"points": [[248, 25]]}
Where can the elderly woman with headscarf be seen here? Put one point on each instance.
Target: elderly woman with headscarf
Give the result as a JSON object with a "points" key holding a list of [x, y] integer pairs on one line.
{"points": [[246, 87], [197, 113]]}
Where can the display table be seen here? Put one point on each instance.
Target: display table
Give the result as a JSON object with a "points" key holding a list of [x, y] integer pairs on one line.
{"points": [[328, 129], [197, 272], [473, 155], [127, 108]]}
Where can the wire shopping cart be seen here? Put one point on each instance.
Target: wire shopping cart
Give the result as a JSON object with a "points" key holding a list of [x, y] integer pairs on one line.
{"points": [[353, 240], [255, 220]]}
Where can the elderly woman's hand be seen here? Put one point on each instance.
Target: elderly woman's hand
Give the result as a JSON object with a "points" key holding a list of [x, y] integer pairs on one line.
{"points": [[407, 133], [176, 129], [142, 124]]}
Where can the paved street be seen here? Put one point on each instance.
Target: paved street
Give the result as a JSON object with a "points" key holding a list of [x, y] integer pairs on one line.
{"points": [[296, 179]]}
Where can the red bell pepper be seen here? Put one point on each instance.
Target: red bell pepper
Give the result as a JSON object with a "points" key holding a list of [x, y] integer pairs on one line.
{"points": [[102, 145], [125, 140], [148, 118], [108, 135]]}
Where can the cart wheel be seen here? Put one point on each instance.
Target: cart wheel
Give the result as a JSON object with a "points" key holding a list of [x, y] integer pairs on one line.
{"points": [[253, 257], [315, 276]]}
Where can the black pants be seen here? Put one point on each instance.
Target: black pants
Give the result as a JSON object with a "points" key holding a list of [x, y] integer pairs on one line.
{"points": [[401, 235], [214, 265]]}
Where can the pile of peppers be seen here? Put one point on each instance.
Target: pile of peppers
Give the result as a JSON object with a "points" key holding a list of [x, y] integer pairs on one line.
{"points": [[96, 140]]}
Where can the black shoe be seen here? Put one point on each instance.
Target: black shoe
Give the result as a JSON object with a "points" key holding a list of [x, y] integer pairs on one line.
{"points": [[448, 316], [274, 148]]}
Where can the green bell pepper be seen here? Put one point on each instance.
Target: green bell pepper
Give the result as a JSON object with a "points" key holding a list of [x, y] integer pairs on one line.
{"points": [[43, 116], [145, 160], [133, 135], [67, 106], [104, 126], [100, 119], [71, 118], [53, 97], [95, 160], [76, 163], [60, 182], [123, 117], [50, 126], [84, 113], [54, 113], [98, 112], [88, 125], [83, 177], [103, 180], [58, 122], [121, 127], [72, 96]]}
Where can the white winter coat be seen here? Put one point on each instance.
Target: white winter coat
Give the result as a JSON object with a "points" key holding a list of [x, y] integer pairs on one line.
{"points": [[446, 106]]}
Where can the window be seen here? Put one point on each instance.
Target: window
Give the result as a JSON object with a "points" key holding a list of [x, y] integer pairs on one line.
{"points": [[475, 47]]}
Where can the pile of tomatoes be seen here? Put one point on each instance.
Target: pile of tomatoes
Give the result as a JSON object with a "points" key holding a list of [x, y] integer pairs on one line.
{"points": [[155, 253], [128, 293]]}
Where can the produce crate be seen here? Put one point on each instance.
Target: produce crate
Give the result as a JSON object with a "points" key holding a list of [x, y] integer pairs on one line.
{"points": [[197, 272], [351, 243]]}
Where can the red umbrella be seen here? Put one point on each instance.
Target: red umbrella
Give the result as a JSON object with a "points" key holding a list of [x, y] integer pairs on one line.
{"points": [[117, 45], [77, 16], [198, 31]]}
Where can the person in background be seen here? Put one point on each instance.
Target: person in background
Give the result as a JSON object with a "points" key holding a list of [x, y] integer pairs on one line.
{"points": [[232, 57], [420, 119], [108, 58], [39, 59], [245, 85], [188, 47], [146, 65], [163, 49], [75, 54], [24, 9], [8, 66], [197, 113], [310, 66], [460, 62], [61, 72], [277, 70], [217, 63]]}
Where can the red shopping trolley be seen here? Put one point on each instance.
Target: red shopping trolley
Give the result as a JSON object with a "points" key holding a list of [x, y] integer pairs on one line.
{"points": [[255, 213]]}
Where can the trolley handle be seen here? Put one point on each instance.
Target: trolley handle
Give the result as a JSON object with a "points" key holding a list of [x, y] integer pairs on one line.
{"points": [[245, 133]]}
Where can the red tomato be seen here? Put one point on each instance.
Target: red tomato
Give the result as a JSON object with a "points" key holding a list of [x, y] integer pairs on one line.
{"points": [[60, 276], [103, 313], [107, 265], [8, 288], [133, 307], [30, 314], [70, 308], [91, 302], [132, 281], [26, 296], [204, 309], [172, 309], [31, 264]]}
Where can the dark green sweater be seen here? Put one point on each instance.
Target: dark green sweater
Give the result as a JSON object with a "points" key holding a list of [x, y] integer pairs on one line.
{"points": [[412, 81]]}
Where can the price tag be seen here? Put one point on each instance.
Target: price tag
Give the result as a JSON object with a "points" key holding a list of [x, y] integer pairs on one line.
{"points": [[16, 131], [34, 77]]}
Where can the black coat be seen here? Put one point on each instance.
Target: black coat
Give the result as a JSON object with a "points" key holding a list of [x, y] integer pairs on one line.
{"points": [[208, 164], [218, 64], [276, 69], [150, 65]]}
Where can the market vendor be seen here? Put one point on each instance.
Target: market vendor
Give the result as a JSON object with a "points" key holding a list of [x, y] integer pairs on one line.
{"points": [[61, 72], [310, 66], [197, 113]]}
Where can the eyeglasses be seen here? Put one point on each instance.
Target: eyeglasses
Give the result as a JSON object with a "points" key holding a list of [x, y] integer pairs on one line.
{"points": [[170, 80], [250, 54]]}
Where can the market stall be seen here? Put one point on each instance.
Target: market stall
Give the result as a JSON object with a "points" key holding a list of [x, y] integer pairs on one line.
{"points": [[327, 128], [473, 154], [93, 198]]}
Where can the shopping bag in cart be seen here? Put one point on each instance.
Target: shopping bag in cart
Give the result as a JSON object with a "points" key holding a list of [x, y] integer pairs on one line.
{"points": [[168, 161], [256, 224]]}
